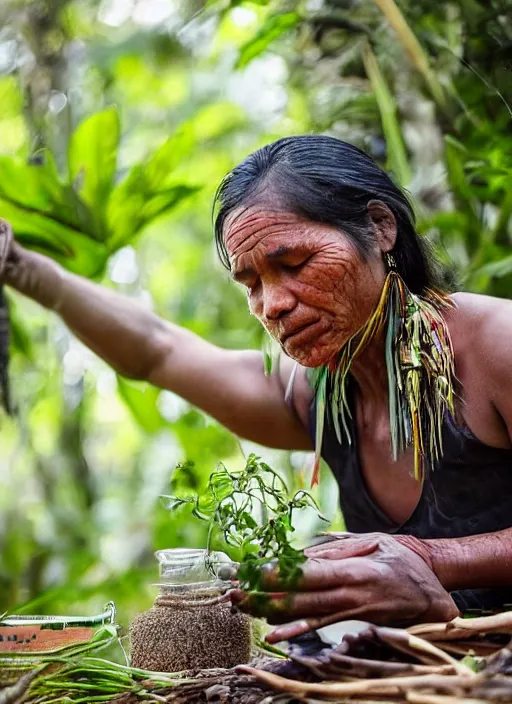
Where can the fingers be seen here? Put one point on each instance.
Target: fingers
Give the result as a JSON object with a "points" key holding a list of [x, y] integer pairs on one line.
{"points": [[292, 630], [344, 550], [282, 607], [320, 573], [318, 576]]}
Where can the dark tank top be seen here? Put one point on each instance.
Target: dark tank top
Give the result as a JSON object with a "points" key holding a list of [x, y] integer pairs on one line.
{"points": [[467, 492]]}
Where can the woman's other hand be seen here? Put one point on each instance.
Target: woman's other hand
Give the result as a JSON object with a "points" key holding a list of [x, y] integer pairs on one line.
{"points": [[373, 577]]}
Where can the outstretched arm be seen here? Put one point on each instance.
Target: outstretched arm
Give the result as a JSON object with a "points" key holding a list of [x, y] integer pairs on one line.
{"points": [[229, 385]]}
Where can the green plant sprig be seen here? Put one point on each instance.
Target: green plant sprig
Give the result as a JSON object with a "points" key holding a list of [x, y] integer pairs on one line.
{"points": [[231, 504]]}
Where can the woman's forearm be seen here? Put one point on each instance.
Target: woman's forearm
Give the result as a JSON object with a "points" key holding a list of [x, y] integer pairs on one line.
{"points": [[120, 331], [477, 561]]}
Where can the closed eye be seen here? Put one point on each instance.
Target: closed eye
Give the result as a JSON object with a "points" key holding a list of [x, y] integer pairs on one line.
{"points": [[295, 266]]}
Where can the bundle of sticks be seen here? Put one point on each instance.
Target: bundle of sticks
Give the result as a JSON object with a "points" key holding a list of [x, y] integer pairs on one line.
{"points": [[466, 661]]}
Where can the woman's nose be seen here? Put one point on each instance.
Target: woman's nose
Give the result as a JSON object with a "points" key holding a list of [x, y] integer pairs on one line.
{"points": [[277, 301]]}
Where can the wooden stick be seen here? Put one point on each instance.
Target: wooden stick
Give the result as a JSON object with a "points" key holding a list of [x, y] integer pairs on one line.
{"points": [[385, 686], [498, 623], [458, 627], [421, 698], [412, 645]]}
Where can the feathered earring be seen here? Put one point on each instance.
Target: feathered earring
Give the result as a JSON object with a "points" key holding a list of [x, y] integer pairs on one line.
{"points": [[420, 370]]}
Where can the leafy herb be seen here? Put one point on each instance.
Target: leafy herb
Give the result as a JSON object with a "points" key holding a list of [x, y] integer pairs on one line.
{"points": [[253, 511]]}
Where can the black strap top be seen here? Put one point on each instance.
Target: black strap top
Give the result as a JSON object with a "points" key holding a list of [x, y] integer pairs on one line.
{"points": [[467, 492]]}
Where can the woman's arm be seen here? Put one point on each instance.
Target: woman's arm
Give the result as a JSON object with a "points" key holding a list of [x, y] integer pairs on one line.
{"points": [[478, 561], [229, 385]]}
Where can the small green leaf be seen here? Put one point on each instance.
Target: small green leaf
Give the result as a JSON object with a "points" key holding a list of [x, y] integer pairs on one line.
{"points": [[273, 28], [249, 520]]}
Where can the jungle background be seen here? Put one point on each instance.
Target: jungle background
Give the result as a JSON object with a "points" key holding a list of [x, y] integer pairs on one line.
{"points": [[118, 118]]}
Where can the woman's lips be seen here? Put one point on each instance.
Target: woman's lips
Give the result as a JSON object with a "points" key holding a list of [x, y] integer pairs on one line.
{"points": [[302, 331]]}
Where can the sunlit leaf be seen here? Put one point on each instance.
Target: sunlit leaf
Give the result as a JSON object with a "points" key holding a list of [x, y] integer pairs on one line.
{"points": [[70, 247], [224, 5], [273, 28], [132, 207], [92, 158], [215, 120], [158, 168], [141, 399], [11, 97], [36, 187]]}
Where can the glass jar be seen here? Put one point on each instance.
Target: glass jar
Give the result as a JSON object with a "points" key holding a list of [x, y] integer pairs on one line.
{"points": [[189, 626]]}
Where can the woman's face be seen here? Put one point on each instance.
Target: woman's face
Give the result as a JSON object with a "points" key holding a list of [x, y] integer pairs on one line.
{"points": [[307, 283]]}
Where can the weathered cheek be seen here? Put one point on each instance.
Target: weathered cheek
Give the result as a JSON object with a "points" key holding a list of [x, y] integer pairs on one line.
{"points": [[255, 305], [331, 281]]}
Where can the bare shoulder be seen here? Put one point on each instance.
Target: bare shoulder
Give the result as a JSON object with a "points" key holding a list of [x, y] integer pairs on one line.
{"points": [[481, 323], [481, 331]]}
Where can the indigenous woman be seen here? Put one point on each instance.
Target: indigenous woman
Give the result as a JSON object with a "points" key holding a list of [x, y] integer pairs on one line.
{"points": [[404, 390]]}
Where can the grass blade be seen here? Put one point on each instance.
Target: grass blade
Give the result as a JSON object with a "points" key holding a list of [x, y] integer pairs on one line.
{"points": [[396, 150], [415, 51]]}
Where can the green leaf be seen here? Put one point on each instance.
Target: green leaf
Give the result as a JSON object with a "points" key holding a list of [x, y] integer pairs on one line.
{"points": [[38, 188], [92, 159], [21, 340], [11, 97], [215, 120], [132, 207], [159, 166], [249, 520], [497, 269], [273, 28], [397, 155], [501, 229], [141, 399], [455, 155], [70, 247]]}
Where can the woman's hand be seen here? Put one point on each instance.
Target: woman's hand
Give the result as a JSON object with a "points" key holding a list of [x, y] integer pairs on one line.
{"points": [[374, 577]]}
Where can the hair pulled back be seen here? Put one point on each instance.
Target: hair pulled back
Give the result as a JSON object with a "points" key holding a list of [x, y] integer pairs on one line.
{"points": [[326, 180]]}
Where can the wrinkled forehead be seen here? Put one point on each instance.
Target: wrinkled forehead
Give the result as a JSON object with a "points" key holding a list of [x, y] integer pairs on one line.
{"points": [[247, 227]]}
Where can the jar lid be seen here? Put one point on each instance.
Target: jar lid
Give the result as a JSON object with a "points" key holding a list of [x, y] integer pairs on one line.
{"points": [[180, 566]]}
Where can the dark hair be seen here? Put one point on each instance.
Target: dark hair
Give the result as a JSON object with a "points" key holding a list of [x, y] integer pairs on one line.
{"points": [[326, 180]]}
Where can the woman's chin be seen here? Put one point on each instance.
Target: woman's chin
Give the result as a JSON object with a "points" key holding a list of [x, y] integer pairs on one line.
{"points": [[313, 357]]}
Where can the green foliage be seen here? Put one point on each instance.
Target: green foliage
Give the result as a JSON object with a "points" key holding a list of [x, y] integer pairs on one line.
{"points": [[81, 219], [273, 28], [92, 158], [231, 505]]}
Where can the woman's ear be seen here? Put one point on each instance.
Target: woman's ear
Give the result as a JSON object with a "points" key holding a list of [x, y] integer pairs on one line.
{"points": [[383, 223]]}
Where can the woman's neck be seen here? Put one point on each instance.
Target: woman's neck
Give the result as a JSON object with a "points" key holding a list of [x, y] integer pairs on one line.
{"points": [[370, 373]]}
